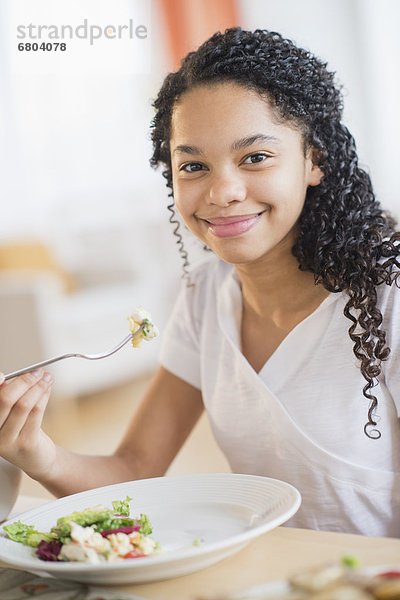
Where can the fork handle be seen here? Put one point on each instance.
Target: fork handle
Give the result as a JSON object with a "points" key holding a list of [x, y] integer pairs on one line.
{"points": [[38, 366]]}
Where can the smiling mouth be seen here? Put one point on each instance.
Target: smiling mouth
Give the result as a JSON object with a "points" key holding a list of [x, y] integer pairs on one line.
{"points": [[233, 226]]}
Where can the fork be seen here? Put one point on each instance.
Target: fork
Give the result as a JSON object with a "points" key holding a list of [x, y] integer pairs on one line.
{"points": [[77, 355]]}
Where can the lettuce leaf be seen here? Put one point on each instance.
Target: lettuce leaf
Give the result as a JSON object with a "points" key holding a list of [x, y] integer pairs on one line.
{"points": [[27, 534], [85, 518], [98, 517], [121, 507], [145, 525], [114, 523]]}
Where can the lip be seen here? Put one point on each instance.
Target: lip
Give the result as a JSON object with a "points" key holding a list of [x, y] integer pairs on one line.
{"points": [[232, 219], [232, 226]]}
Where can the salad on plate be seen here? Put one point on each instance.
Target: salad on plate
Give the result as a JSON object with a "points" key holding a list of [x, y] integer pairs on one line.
{"points": [[337, 581], [95, 535]]}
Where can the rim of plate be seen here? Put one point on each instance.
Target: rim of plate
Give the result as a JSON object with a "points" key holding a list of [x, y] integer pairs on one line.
{"points": [[207, 548]]}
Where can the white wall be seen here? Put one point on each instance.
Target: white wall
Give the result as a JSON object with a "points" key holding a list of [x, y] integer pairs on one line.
{"points": [[380, 43], [75, 138], [75, 127]]}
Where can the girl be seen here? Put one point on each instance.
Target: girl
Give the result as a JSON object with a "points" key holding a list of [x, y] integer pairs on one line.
{"points": [[289, 336]]}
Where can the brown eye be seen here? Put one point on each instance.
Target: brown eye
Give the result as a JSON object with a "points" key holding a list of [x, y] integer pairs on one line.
{"points": [[192, 167], [255, 158]]}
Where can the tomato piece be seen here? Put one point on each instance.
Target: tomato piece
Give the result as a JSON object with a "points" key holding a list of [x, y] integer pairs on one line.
{"points": [[390, 574], [134, 554]]}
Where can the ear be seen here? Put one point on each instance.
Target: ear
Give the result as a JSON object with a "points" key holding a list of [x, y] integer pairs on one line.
{"points": [[315, 174]]}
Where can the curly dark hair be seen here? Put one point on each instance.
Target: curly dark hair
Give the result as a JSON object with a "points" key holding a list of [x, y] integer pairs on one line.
{"points": [[345, 238]]}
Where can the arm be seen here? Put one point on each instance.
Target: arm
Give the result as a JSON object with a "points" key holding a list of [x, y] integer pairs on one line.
{"points": [[165, 418]]}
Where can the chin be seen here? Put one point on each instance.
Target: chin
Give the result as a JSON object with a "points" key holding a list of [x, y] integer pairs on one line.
{"points": [[245, 249], [239, 256]]}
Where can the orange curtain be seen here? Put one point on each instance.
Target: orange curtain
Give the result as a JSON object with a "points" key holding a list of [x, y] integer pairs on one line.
{"points": [[191, 22]]}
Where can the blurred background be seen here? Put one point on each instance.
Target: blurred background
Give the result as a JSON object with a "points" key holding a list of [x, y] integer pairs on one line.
{"points": [[84, 231]]}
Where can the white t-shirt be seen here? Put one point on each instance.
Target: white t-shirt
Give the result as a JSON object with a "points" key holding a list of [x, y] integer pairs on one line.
{"points": [[301, 418]]}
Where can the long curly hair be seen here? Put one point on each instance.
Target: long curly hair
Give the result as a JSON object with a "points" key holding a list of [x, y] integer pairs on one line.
{"points": [[345, 238]]}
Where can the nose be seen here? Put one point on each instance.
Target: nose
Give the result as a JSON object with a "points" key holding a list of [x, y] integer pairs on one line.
{"points": [[225, 189]]}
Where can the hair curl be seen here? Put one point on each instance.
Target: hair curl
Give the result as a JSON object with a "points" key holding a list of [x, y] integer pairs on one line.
{"points": [[345, 238]]}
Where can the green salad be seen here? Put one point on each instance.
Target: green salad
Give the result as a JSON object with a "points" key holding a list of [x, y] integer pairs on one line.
{"points": [[95, 534]]}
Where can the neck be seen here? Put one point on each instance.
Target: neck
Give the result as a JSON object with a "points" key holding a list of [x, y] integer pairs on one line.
{"points": [[275, 286]]}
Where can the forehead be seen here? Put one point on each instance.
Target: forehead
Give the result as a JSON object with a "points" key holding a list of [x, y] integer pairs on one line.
{"points": [[224, 111]]}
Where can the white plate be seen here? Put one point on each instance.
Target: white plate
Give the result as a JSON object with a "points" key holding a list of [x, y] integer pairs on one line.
{"points": [[226, 511]]}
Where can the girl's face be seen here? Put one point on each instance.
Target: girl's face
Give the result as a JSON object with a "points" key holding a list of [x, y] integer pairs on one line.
{"points": [[239, 177]]}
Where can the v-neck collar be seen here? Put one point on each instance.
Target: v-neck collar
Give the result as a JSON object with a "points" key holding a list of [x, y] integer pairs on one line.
{"points": [[230, 307]]}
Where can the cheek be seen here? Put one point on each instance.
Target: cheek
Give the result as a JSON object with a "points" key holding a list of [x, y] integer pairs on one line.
{"points": [[186, 200], [286, 203], [179, 212], [186, 213], [285, 193]]}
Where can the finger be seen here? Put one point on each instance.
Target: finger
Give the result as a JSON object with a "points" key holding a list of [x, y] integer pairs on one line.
{"points": [[31, 428], [14, 390], [19, 385], [19, 412], [2, 378]]}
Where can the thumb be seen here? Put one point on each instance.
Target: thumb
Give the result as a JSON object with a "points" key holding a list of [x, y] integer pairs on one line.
{"points": [[2, 378]]}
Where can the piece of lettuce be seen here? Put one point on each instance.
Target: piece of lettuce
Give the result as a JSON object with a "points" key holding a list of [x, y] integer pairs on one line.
{"points": [[121, 507], [27, 534], [114, 523], [98, 517], [145, 526], [350, 561], [85, 518]]}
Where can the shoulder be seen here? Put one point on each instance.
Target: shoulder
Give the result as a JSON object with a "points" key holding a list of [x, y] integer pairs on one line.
{"points": [[388, 292], [199, 289], [200, 292], [388, 298], [388, 301]]}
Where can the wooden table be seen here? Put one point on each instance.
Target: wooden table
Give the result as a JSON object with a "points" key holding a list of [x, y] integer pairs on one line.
{"points": [[274, 555]]}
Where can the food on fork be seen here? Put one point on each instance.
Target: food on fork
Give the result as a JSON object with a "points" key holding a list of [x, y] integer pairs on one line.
{"points": [[141, 329], [140, 317]]}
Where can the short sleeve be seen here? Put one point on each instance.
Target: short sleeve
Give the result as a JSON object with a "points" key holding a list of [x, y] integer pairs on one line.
{"points": [[180, 348], [391, 324]]}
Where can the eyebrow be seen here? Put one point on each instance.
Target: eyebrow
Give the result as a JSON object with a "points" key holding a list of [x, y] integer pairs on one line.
{"points": [[237, 145], [252, 139]]}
